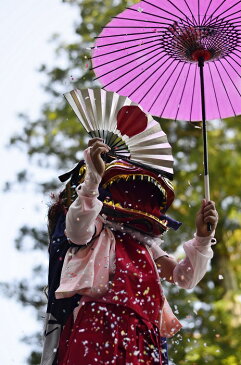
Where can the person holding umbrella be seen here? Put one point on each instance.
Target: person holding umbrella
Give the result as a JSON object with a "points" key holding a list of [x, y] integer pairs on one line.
{"points": [[115, 263]]}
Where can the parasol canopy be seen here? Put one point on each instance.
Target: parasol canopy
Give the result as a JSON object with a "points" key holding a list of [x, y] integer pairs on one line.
{"points": [[150, 53]]}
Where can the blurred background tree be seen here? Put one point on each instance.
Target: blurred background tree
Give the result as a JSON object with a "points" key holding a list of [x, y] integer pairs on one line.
{"points": [[211, 313]]}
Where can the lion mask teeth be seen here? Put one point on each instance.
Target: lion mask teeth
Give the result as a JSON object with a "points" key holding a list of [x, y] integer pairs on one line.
{"points": [[135, 177]]}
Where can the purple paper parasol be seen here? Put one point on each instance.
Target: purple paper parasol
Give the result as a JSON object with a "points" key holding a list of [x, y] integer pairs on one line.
{"points": [[150, 53], [177, 59]]}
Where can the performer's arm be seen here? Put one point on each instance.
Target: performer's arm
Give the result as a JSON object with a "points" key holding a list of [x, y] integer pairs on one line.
{"points": [[193, 267], [82, 213]]}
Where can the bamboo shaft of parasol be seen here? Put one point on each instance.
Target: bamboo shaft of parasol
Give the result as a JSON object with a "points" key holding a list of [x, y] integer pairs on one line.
{"points": [[205, 139]]}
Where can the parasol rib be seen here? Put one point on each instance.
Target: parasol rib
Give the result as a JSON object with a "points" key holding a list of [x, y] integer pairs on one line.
{"points": [[177, 8], [198, 11], [119, 35], [218, 16], [120, 58], [214, 11], [218, 23], [139, 20], [145, 54], [215, 94], [225, 89], [164, 10], [210, 2], [226, 10], [230, 64], [148, 77], [163, 89], [228, 16], [216, 20], [183, 90], [125, 73], [230, 78], [129, 40], [194, 82], [123, 49], [193, 17], [157, 81], [138, 75], [168, 99], [153, 15], [234, 59]]}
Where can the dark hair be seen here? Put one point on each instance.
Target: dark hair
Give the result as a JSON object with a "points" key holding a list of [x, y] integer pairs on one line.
{"points": [[58, 207]]}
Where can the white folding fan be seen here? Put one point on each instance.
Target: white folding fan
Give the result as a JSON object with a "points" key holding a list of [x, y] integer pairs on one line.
{"points": [[131, 133]]}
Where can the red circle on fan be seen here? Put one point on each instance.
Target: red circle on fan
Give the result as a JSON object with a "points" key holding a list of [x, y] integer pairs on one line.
{"points": [[131, 120]]}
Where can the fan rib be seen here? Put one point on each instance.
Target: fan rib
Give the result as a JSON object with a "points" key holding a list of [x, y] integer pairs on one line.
{"points": [[89, 98], [152, 131], [158, 147], [165, 160], [78, 109]]}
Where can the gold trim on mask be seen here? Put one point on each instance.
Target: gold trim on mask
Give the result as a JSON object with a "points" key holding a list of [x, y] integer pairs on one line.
{"points": [[116, 163], [114, 205]]}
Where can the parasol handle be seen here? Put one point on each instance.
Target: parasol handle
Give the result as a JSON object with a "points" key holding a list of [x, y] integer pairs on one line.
{"points": [[206, 187], [205, 140]]}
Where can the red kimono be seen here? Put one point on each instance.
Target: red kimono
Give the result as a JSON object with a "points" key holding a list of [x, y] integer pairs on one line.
{"points": [[122, 326]]}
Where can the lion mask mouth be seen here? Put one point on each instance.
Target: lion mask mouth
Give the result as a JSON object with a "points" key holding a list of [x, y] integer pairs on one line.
{"points": [[136, 196]]}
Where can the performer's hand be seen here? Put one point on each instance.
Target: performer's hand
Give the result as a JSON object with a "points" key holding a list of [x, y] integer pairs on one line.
{"points": [[206, 214], [97, 148]]}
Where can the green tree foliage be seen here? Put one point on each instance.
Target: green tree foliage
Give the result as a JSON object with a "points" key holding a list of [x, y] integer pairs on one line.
{"points": [[211, 313]]}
